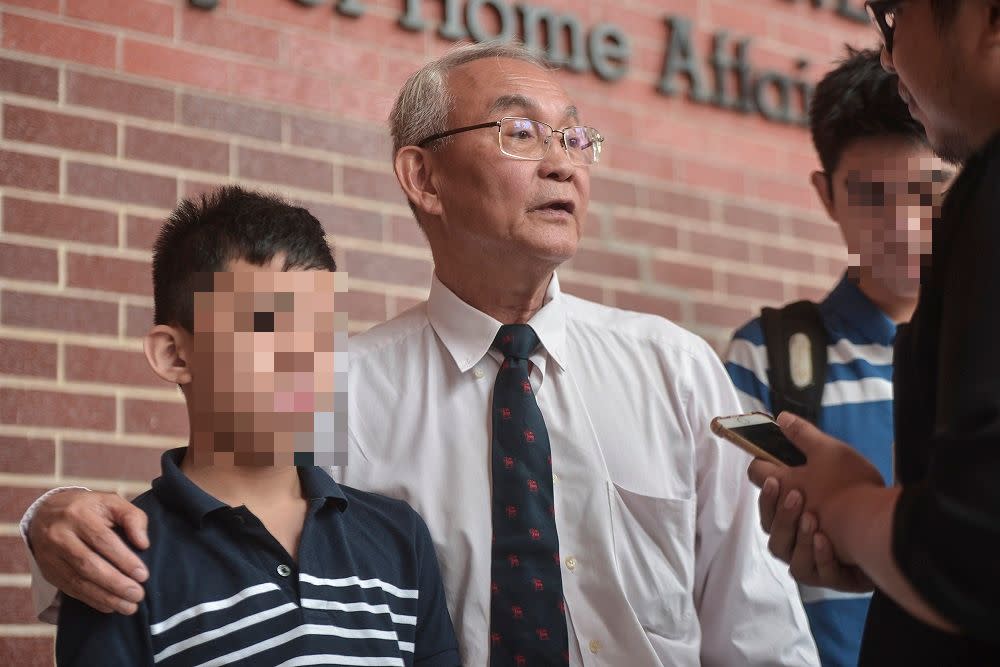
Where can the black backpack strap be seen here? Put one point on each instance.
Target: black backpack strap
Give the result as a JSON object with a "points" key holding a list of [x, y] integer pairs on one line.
{"points": [[804, 397]]}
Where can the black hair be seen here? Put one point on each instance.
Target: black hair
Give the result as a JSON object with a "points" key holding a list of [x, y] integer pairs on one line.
{"points": [[858, 99], [944, 11], [203, 236]]}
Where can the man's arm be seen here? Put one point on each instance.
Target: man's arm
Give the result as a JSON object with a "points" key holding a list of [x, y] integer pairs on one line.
{"points": [[748, 606], [87, 637], [72, 544], [435, 645]]}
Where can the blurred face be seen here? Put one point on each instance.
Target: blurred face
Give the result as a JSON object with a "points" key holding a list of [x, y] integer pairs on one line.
{"points": [[263, 361], [942, 75], [496, 205], [886, 192]]}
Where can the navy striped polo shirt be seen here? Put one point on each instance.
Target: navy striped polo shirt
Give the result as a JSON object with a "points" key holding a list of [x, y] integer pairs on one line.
{"points": [[222, 591]]}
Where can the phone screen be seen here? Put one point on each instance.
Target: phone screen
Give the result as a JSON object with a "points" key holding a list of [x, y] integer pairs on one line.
{"points": [[768, 436]]}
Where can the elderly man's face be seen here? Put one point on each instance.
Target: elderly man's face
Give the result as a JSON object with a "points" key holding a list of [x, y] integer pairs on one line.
{"points": [[492, 203]]}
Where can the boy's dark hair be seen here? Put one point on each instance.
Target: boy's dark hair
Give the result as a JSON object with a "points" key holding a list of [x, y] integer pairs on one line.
{"points": [[858, 99], [944, 11], [229, 224]]}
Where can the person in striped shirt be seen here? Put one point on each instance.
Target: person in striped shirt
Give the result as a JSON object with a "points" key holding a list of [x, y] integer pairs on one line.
{"points": [[880, 182], [256, 556]]}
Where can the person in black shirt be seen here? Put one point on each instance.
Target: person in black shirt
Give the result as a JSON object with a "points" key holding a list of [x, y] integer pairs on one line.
{"points": [[929, 545]]}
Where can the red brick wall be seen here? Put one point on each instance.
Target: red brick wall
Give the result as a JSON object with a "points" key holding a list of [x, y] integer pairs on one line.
{"points": [[110, 110]]}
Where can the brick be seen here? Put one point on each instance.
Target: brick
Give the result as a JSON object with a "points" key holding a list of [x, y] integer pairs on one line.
{"points": [[341, 221], [721, 316], [221, 32], [630, 229], [141, 15], [350, 58], [121, 186], [59, 221], [194, 189], [27, 456], [788, 259], [14, 500], [753, 287], [652, 164], [57, 129], [811, 293], [230, 117], [280, 85], [679, 204], [41, 311], [138, 320], [606, 263], [714, 177], [369, 184], [350, 139], [646, 303], [27, 651], [678, 274], [29, 79], [174, 64], [176, 150], [287, 169], [406, 230], [156, 418], [28, 263], [141, 232], [386, 268], [582, 290], [119, 96], [607, 191], [17, 606], [362, 306], [41, 5], [123, 367], [751, 218], [821, 232], [27, 407], [24, 357], [13, 560], [717, 245], [110, 461], [32, 172], [109, 274], [316, 18], [59, 41], [786, 193]]}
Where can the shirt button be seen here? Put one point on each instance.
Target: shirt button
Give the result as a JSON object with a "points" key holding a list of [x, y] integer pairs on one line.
{"points": [[284, 570], [595, 646], [571, 563], [479, 373]]}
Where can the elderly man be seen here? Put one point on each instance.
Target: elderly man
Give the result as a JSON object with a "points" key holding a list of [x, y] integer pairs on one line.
{"points": [[930, 543], [559, 450]]}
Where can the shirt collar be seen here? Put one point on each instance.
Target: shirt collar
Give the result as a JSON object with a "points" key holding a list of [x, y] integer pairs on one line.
{"points": [[849, 305], [173, 488], [468, 333]]}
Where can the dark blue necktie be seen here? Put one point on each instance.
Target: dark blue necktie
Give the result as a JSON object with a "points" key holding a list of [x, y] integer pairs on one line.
{"points": [[528, 615]]}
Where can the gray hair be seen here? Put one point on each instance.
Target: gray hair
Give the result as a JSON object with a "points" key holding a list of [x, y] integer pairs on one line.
{"points": [[422, 106]]}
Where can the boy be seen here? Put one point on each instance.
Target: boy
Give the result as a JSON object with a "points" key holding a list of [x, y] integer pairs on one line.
{"points": [[258, 557]]}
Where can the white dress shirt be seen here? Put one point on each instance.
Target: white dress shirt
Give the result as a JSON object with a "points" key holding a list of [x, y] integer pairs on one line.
{"points": [[663, 559]]}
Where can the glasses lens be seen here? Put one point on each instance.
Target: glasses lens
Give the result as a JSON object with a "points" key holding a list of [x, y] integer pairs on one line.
{"points": [[520, 137], [583, 144]]}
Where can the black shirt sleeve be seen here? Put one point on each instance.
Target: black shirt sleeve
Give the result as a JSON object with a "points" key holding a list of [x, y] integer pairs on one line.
{"points": [[946, 531], [87, 637], [435, 645]]}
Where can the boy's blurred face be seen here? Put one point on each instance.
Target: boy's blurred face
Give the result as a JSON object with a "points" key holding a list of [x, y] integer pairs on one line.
{"points": [[886, 192], [264, 374]]}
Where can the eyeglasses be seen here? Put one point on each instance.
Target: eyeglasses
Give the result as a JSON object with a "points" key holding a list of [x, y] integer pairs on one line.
{"points": [[883, 16], [526, 139]]}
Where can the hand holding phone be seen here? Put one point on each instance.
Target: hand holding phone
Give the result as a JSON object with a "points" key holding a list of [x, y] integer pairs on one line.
{"points": [[760, 436]]}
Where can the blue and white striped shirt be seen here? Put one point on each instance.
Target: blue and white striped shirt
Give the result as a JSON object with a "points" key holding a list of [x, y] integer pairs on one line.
{"points": [[856, 408], [366, 589]]}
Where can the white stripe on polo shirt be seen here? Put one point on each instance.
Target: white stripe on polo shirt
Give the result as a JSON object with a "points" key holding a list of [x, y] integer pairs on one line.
{"points": [[329, 605], [866, 390], [363, 583], [229, 628], [215, 605], [302, 630], [304, 660]]}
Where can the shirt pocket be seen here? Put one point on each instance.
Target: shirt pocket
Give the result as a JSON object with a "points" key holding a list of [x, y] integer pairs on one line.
{"points": [[654, 551]]}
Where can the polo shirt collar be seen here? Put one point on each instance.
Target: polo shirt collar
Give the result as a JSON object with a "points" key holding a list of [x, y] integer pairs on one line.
{"points": [[468, 333], [849, 305], [174, 488]]}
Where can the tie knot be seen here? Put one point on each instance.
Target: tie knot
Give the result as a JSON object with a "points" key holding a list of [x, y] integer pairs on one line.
{"points": [[516, 341]]}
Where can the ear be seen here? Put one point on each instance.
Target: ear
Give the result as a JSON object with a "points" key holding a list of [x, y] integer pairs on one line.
{"points": [[414, 172], [168, 351], [821, 184]]}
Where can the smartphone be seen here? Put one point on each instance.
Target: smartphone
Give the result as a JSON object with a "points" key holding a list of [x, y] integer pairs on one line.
{"points": [[760, 436]]}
